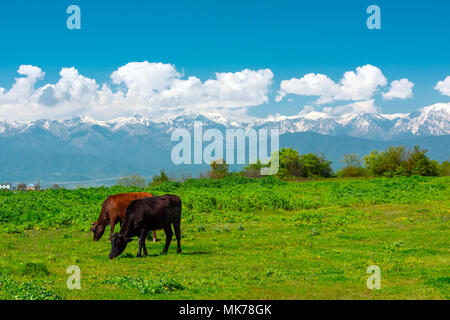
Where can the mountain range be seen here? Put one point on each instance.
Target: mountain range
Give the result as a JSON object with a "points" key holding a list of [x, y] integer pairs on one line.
{"points": [[77, 150]]}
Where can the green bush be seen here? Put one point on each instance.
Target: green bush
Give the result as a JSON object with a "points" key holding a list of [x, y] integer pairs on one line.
{"points": [[444, 169], [316, 166], [219, 169], [158, 179], [397, 161], [352, 167]]}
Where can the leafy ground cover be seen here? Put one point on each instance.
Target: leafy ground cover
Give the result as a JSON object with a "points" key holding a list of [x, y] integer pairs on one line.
{"points": [[242, 239]]}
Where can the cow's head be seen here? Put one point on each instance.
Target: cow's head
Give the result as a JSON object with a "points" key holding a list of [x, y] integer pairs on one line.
{"points": [[98, 230], [118, 244]]}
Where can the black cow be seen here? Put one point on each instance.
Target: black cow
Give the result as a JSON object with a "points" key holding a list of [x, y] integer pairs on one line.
{"points": [[147, 214]]}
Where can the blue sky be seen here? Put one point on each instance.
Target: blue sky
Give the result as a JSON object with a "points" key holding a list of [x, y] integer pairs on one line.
{"points": [[291, 38]]}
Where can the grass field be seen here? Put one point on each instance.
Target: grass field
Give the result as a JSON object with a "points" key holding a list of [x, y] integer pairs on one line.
{"points": [[242, 239]]}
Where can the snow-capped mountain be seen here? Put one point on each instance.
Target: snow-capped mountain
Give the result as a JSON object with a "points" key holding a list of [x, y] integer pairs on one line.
{"points": [[84, 149], [428, 121]]}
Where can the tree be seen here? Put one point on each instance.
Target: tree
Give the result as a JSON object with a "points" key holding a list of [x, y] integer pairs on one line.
{"points": [[396, 161], [351, 160], [387, 163], [132, 181], [445, 168], [22, 187], [55, 186], [253, 170], [316, 166], [290, 164], [352, 166], [158, 179], [418, 163], [219, 169]]}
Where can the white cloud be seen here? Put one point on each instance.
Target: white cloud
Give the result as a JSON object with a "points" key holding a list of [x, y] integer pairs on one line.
{"points": [[401, 89], [22, 90], [307, 109], [443, 86], [359, 85], [71, 87], [150, 89], [365, 106], [310, 85], [144, 80]]}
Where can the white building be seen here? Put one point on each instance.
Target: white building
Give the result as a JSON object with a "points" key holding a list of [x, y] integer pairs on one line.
{"points": [[5, 186]]}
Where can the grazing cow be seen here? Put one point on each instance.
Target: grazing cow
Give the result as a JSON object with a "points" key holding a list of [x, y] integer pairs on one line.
{"points": [[113, 211], [148, 214]]}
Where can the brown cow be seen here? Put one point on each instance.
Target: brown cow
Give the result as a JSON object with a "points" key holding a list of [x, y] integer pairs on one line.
{"points": [[113, 211]]}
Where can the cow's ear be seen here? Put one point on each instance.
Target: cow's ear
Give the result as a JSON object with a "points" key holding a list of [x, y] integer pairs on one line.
{"points": [[128, 239]]}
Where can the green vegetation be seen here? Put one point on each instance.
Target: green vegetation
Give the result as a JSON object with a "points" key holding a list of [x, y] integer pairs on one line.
{"points": [[292, 164], [445, 168], [219, 169], [242, 239], [393, 162], [161, 285], [158, 179], [28, 290], [396, 161], [352, 166]]}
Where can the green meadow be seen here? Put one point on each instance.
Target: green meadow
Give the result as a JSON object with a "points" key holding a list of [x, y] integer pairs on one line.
{"points": [[242, 238]]}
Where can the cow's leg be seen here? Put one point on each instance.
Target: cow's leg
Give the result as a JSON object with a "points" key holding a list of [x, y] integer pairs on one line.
{"points": [[154, 236], [142, 243], [113, 224], [176, 227], [169, 234], [145, 247]]}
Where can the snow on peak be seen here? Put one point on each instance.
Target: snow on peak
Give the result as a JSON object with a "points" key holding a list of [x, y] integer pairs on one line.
{"points": [[430, 120], [445, 107], [315, 115], [394, 116], [89, 120]]}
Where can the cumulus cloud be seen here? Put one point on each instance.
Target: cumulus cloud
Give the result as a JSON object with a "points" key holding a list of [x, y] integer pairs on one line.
{"points": [[359, 85], [400, 89], [146, 88], [365, 106], [443, 86], [310, 85], [23, 87]]}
